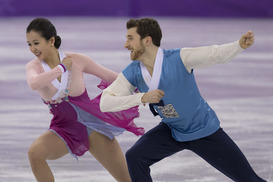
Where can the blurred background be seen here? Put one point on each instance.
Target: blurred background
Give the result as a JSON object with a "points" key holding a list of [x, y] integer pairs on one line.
{"points": [[241, 92], [188, 8]]}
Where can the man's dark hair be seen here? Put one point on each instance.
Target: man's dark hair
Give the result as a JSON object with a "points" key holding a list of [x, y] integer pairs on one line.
{"points": [[147, 27]]}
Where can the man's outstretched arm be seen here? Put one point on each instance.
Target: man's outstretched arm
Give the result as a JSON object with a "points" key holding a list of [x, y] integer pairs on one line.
{"points": [[201, 57]]}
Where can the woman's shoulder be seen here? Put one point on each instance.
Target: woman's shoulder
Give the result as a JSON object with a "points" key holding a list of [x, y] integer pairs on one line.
{"points": [[33, 63], [74, 55], [79, 58]]}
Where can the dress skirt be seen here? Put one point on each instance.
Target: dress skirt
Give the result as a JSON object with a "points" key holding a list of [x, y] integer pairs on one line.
{"points": [[73, 115]]}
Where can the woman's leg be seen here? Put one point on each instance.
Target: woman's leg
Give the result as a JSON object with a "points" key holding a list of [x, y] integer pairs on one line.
{"points": [[48, 146], [110, 155]]}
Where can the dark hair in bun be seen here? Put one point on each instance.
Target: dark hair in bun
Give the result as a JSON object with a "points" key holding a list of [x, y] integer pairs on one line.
{"points": [[46, 30]]}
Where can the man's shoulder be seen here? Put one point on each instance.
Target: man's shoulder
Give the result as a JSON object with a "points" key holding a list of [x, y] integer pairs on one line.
{"points": [[171, 51], [134, 64], [132, 68]]}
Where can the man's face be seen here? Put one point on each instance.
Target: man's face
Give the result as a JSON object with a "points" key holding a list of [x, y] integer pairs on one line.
{"points": [[134, 44]]}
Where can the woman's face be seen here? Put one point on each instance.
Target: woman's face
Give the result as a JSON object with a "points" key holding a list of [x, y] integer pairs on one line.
{"points": [[38, 45]]}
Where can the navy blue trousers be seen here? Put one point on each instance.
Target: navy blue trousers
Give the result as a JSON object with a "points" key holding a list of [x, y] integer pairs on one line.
{"points": [[218, 149]]}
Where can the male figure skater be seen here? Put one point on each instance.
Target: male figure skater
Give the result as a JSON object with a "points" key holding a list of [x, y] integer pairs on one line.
{"points": [[165, 79]]}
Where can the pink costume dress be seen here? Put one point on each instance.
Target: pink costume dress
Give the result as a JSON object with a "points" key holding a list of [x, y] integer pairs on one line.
{"points": [[74, 118]]}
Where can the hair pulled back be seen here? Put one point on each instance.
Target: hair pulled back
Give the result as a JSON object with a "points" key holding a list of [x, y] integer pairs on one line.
{"points": [[46, 29]]}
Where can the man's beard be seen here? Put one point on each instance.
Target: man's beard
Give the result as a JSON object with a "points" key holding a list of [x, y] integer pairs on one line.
{"points": [[137, 53]]}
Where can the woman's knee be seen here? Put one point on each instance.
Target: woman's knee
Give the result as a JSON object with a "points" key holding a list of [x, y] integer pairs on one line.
{"points": [[36, 151]]}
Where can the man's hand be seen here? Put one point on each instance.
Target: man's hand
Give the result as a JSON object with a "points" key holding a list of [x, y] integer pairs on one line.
{"points": [[246, 40], [67, 61], [153, 96]]}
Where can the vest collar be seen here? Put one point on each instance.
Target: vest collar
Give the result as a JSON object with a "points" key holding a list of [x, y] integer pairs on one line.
{"points": [[153, 81]]}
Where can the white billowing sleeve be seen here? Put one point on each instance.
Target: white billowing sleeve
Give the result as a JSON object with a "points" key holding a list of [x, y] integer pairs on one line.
{"points": [[201, 57], [119, 96]]}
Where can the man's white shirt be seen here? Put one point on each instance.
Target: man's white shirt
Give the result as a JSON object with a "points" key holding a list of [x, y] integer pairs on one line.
{"points": [[119, 95]]}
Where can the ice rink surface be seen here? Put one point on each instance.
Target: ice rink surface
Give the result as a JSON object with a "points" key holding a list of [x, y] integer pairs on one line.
{"points": [[241, 93]]}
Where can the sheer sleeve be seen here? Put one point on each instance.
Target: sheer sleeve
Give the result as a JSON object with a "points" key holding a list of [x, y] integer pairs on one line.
{"points": [[88, 65], [37, 79]]}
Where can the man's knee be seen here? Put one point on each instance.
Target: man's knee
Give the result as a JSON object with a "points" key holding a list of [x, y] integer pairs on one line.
{"points": [[132, 155], [129, 155]]}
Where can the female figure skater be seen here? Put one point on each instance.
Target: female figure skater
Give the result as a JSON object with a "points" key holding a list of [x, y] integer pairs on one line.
{"points": [[78, 124]]}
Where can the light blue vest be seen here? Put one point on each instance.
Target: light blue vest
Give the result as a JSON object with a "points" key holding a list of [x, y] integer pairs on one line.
{"points": [[185, 111]]}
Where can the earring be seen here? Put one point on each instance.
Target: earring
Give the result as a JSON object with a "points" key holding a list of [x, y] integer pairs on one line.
{"points": [[51, 45]]}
